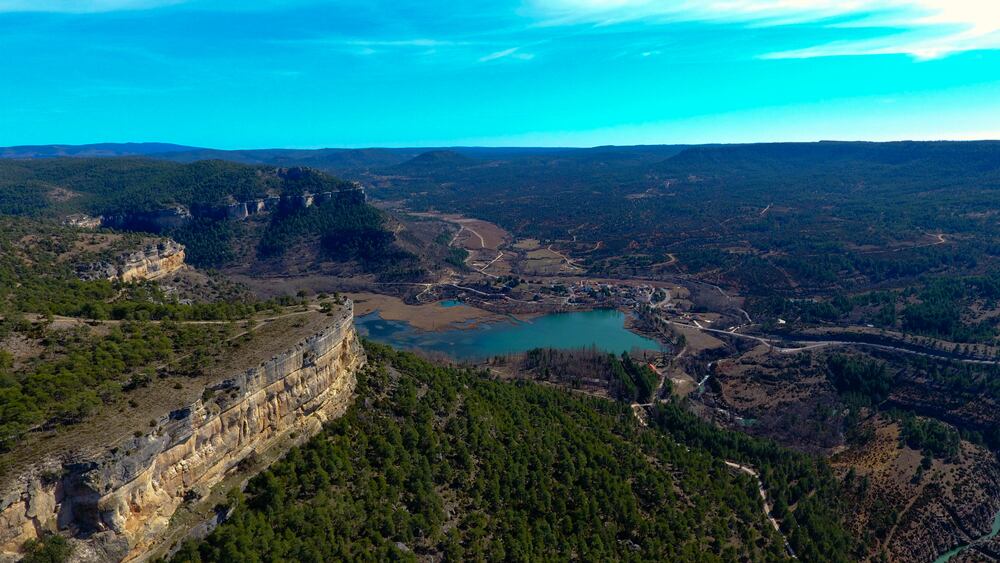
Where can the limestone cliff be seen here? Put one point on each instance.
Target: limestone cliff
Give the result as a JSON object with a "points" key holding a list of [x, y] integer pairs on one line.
{"points": [[153, 261], [117, 500]]}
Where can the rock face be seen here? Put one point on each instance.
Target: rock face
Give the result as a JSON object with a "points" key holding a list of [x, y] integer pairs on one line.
{"points": [[117, 503], [153, 261]]}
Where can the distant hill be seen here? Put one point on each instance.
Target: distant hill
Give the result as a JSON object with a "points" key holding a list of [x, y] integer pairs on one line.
{"points": [[936, 157], [252, 218], [803, 216], [92, 150], [324, 159], [354, 162], [441, 162], [437, 159], [330, 160]]}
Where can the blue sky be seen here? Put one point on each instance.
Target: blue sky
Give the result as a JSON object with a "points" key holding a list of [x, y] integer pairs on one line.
{"points": [[311, 73]]}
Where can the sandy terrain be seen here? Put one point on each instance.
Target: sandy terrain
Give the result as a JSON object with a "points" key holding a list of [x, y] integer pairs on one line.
{"points": [[489, 235], [431, 316]]}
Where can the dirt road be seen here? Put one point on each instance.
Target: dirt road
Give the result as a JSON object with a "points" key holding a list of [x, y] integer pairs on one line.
{"points": [[767, 504]]}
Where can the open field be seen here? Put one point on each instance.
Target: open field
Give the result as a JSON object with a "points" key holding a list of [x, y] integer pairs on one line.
{"points": [[482, 234], [542, 262]]}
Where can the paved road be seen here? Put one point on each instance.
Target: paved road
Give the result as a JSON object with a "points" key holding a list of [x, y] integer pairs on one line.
{"points": [[773, 342]]}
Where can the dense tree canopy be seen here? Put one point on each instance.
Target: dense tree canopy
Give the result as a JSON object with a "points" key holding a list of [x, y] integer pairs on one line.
{"points": [[442, 462]]}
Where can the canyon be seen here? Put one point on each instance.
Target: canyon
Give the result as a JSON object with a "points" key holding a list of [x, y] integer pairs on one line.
{"points": [[115, 500]]}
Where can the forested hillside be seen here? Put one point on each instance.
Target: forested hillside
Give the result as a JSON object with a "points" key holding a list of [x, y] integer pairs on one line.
{"points": [[194, 204], [435, 462], [109, 186], [56, 372]]}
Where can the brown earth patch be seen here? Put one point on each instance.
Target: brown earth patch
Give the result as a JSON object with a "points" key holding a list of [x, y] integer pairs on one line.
{"points": [[484, 233], [431, 316]]}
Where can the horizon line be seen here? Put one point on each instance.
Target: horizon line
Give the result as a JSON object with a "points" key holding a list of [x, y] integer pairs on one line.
{"points": [[433, 146]]}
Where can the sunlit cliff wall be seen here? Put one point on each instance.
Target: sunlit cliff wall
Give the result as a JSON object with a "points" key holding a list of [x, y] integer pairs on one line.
{"points": [[118, 502]]}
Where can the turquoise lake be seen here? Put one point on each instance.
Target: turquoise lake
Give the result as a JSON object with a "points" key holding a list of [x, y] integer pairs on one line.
{"points": [[603, 328]]}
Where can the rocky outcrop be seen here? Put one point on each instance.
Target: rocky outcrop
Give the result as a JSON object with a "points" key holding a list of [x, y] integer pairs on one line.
{"points": [[154, 261], [176, 216], [82, 221], [117, 501]]}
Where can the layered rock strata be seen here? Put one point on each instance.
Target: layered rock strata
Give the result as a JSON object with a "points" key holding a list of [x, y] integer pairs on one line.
{"points": [[117, 501], [153, 261]]}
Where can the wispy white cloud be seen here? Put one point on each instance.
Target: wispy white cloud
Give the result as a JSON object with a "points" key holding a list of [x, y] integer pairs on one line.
{"points": [[498, 55], [82, 6], [925, 29], [921, 49], [420, 42], [422, 46], [460, 51], [513, 53]]}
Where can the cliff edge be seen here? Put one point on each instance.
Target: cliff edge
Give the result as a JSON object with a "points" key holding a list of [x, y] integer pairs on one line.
{"points": [[116, 500]]}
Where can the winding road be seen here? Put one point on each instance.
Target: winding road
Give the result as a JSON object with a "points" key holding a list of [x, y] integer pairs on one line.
{"points": [[767, 503], [640, 413], [569, 262], [772, 342]]}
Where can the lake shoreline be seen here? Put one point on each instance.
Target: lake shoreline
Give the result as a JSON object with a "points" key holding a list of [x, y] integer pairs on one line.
{"points": [[478, 338], [431, 317], [451, 314]]}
